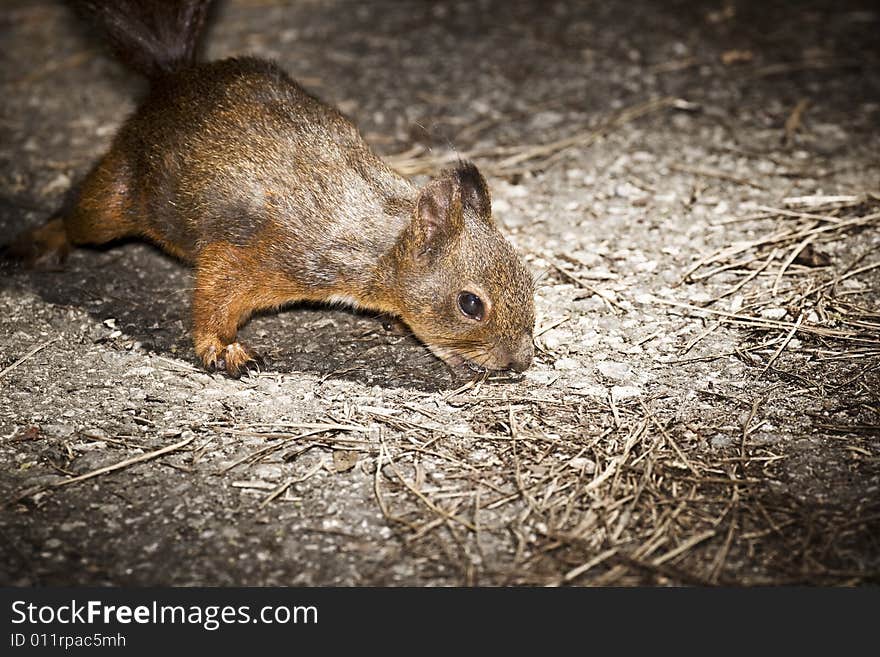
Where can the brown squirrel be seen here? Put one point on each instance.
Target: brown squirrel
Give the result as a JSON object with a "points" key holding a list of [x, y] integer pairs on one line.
{"points": [[274, 197]]}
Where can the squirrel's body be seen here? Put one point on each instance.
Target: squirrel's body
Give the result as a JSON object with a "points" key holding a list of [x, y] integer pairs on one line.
{"points": [[274, 197], [265, 151]]}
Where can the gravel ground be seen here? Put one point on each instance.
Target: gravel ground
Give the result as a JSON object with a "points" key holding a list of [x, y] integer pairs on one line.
{"points": [[696, 187]]}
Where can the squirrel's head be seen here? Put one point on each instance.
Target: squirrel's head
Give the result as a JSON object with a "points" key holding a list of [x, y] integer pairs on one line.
{"points": [[465, 292]]}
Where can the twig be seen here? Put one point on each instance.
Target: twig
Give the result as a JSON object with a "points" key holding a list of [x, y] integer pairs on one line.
{"points": [[551, 325], [790, 259], [817, 200], [760, 322], [715, 173], [784, 344], [684, 547], [776, 238], [288, 483], [412, 489], [538, 156], [690, 466], [577, 281], [109, 468], [837, 280], [30, 354], [793, 122], [253, 456], [517, 472], [592, 563]]}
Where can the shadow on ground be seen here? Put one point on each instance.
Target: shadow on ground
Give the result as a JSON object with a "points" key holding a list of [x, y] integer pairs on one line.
{"points": [[146, 295]]}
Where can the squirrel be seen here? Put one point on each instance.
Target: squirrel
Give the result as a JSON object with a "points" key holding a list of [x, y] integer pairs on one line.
{"points": [[274, 197]]}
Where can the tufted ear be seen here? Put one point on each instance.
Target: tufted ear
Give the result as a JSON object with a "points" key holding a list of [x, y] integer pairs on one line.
{"points": [[437, 218], [474, 190]]}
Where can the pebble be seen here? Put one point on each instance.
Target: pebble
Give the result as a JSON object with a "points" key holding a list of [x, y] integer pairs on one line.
{"points": [[720, 440], [71, 526], [500, 206], [267, 472], [552, 340], [619, 393], [145, 370], [773, 313], [58, 183], [582, 463], [614, 370], [58, 430]]}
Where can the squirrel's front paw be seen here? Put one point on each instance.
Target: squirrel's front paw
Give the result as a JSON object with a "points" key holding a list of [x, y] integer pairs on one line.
{"points": [[235, 358]]}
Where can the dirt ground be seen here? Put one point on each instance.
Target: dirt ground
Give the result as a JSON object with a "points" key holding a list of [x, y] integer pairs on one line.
{"points": [[695, 186]]}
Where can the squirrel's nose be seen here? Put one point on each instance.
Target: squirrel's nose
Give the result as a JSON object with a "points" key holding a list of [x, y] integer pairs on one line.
{"points": [[520, 365], [522, 356]]}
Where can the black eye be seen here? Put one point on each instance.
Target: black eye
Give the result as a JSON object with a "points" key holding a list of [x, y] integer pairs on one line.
{"points": [[471, 305]]}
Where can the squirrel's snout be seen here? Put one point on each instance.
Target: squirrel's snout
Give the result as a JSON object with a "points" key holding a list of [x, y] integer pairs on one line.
{"points": [[521, 356], [520, 365]]}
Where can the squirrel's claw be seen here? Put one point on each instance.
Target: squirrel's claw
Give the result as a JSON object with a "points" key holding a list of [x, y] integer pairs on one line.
{"points": [[235, 359], [241, 360], [254, 365]]}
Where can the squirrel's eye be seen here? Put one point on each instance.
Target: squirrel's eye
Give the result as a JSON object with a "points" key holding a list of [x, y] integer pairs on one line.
{"points": [[471, 305]]}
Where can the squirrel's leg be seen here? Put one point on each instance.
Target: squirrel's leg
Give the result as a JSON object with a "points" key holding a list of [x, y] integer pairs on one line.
{"points": [[45, 247], [231, 284], [101, 211], [97, 215]]}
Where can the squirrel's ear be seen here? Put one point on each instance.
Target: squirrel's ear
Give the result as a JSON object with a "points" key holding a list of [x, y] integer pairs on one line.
{"points": [[474, 190], [438, 216]]}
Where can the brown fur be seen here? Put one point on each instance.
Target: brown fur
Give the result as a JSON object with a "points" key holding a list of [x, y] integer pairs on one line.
{"points": [[274, 197]]}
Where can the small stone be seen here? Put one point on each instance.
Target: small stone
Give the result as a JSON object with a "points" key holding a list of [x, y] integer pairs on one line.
{"points": [[58, 430], [552, 340], [773, 313], [582, 463], [344, 460], [44, 480], [619, 393], [58, 183], [541, 377], [230, 533], [500, 206], [614, 370], [700, 298], [723, 207], [145, 370], [267, 472], [511, 191]]}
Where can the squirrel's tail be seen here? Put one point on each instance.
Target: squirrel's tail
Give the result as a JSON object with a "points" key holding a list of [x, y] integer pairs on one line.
{"points": [[154, 37]]}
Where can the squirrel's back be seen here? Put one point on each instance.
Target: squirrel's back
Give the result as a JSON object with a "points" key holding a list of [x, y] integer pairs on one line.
{"points": [[235, 147], [217, 151]]}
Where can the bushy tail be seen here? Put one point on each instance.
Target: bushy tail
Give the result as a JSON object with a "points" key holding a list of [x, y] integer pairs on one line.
{"points": [[154, 37]]}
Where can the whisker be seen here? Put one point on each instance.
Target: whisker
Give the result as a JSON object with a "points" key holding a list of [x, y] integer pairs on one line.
{"points": [[540, 276]]}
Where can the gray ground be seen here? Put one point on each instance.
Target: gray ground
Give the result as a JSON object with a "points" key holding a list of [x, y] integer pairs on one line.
{"points": [[681, 425]]}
